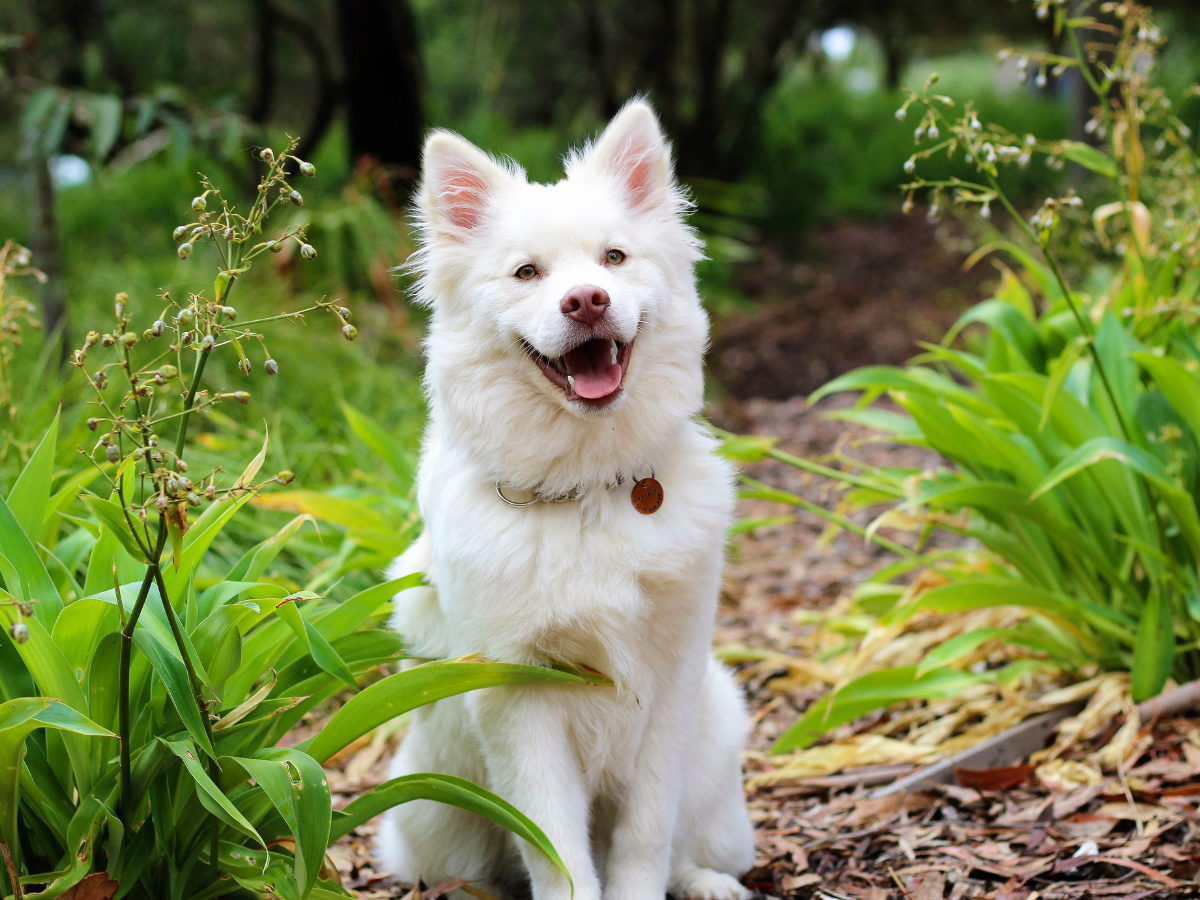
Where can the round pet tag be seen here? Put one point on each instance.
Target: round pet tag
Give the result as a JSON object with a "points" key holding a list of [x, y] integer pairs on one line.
{"points": [[647, 495]]}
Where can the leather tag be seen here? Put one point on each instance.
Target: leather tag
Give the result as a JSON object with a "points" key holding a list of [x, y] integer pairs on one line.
{"points": [[647, 495]]}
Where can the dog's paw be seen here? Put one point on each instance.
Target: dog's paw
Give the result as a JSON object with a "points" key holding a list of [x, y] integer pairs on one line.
{"points": [[707, 884]]}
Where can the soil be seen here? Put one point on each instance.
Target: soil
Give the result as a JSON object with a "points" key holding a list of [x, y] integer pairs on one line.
{"points": [[875, 292], [867, 296]]}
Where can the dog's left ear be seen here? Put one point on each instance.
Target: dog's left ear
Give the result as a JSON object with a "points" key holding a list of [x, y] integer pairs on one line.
{"points": [[632, 149]]}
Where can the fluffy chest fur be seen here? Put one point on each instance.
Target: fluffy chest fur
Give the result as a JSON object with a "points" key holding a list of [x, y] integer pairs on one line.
{"points": [[581, 581]]}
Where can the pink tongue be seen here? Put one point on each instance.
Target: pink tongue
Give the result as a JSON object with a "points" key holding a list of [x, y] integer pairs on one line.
{"points": [[595, 374]]}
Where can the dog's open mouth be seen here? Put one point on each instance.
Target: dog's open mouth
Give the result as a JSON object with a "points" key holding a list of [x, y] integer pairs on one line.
{"points": [[591, 372]]}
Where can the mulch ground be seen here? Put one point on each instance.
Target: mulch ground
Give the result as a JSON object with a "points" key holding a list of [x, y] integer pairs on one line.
{"points": [[998, 835]]}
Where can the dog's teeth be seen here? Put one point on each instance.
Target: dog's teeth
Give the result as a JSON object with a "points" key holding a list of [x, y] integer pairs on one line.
{"points": [[571, 382], [614, 353]]}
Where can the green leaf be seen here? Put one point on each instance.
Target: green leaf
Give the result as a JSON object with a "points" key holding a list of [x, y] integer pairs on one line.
{"points": [[1046, 282], [194, 545], [445, 789], [377, 438], [323, 654], [1179, 386], [105, 112], [1178, 500], [407, 690], [174, 676], [30, 495], [18, 718], [211, 797], [297, 787], [255, 561], [867, 694], [1007, 321], [113, 519], [1089, 157], [747, 448], [36, 585], [351, 613], [1154, 652]]}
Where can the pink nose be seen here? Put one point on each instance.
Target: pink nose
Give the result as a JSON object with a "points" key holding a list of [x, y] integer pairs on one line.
{"points": [[586, 303]]}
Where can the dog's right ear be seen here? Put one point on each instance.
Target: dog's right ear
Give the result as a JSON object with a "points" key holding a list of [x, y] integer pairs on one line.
{"points": [[458, 183]]}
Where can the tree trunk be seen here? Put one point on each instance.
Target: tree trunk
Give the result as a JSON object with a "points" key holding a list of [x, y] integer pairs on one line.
{"points": [[382, 86], [264, 63], [46, 252]]}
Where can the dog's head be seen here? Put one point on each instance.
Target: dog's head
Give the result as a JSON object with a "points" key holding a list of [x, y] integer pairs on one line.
{"points": [[566, 313]]}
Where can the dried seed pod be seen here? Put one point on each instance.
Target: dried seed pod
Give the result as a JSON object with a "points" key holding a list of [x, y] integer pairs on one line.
{"points": [[199, 204], [271, 367], [308, 169], [207, 343], [308, 251], [179, 233], [192, 499], [349, 332], [19, 632], [90, 340], [158, 328], [180, 466], [161, 503], [244, 365], [26, 609], [92, 423], [112, 453], [119, 303], [185, 250], [285, 477], [101, 380], [210, 492], [108, 340]]}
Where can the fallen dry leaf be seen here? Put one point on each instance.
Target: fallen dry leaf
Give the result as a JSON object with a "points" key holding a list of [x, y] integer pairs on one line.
{"points": [[1000, 778], [931, 886], [97, 886]]}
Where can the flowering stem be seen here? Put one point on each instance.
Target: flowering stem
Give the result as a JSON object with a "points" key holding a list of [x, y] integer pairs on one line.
{"points": [[1085, 326], [1101, 92], [127, 811]]}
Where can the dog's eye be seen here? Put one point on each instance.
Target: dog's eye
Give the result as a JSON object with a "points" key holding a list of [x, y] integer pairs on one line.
{"points": [[616, 257], [527, 272]]}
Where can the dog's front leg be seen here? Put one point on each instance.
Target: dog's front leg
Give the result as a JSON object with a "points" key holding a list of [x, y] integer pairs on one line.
{"points": [[640, 851], [531, 764]]}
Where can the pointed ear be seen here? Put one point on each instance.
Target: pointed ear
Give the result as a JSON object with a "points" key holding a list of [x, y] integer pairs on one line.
{"points": [[634, 151], [458, 182]]}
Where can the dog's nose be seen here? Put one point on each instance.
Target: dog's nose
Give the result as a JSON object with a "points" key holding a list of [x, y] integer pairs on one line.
{"points": [[586, 303]]}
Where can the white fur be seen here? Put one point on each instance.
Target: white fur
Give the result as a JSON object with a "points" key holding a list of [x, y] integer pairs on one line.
{"points": [[639, 786]]}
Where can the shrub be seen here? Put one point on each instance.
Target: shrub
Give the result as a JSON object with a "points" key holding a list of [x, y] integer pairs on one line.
{"points": [[140, 710], [1073, 427]]}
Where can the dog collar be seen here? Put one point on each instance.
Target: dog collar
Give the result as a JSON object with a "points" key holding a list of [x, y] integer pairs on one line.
{"points": [[646, 496]]}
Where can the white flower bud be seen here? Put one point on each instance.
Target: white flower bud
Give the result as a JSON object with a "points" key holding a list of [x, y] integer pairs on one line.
{"points": [[185, 250], [199, 203]]}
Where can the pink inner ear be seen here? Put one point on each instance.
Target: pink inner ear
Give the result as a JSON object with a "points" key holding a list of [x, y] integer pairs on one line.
{"points": [[634, 164], [463, 194]]}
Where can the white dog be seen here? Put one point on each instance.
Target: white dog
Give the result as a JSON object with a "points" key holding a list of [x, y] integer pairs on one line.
{"points": [[564, 369]]}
